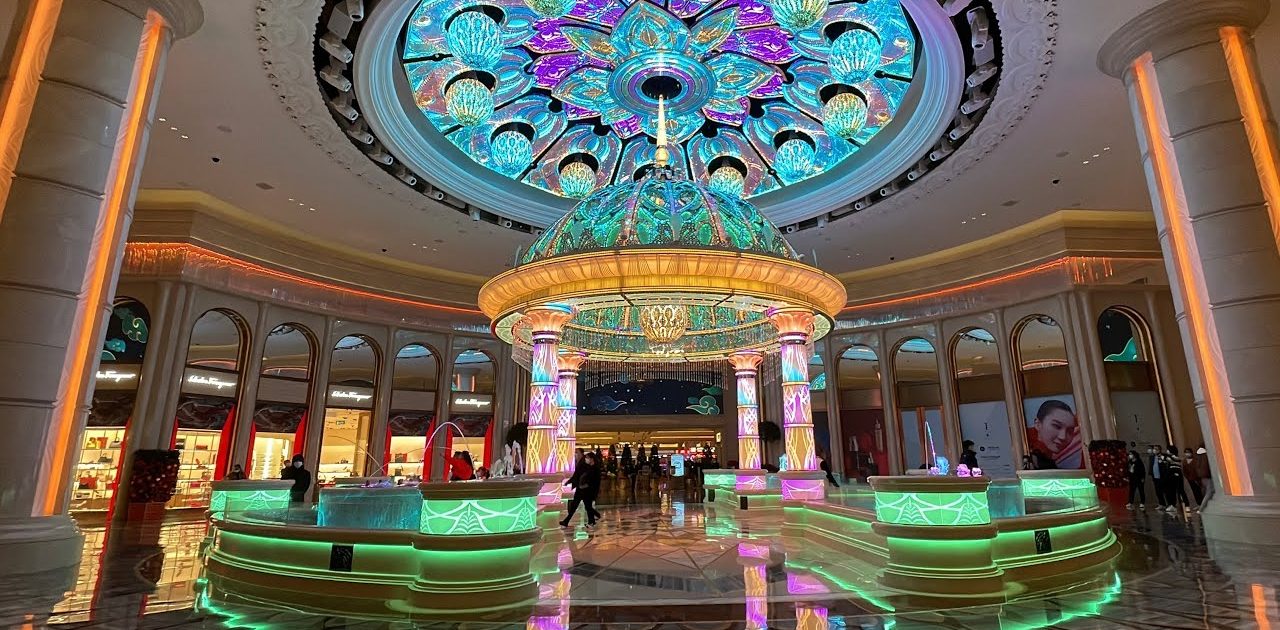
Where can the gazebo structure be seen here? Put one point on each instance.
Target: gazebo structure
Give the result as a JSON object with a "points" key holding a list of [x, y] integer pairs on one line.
{"points": [[664, 270]]}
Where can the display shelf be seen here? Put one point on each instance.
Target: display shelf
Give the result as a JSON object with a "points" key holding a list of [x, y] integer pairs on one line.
{"points": [[197, 460], [96, 470]]}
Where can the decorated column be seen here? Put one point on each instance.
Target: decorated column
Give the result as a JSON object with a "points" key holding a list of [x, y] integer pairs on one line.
{"points": [[545, 322], [795, 325], [746, 366], [567, 409]]}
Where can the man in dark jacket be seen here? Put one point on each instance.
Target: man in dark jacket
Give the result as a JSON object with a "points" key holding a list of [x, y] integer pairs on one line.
{"points": [[586, 486], [301, 479], [968, 456]]}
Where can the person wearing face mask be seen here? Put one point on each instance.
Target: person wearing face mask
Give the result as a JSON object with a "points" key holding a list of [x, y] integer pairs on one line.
{"points": [[237, 472], [1177, 495], [301, 479], [1137, 481], [1206, 476], [1192, 475], [1155, 464]]}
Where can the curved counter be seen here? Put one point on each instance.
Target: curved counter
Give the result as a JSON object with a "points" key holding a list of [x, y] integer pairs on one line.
{"points": [[469, 550]]}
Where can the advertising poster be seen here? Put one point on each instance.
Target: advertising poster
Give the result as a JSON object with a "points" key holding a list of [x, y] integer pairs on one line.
{"points": [[987, 424], [1053, 431]]}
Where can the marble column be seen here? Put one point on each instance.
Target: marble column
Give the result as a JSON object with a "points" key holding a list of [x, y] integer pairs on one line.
{"points": [[746, 367], [1208, 141], [568, 364], [78, 99], [545, 322], [795, 327]]}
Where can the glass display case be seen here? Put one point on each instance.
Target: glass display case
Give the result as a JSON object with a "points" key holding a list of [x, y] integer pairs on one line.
{"points": [[198, 461], [98, 468]]}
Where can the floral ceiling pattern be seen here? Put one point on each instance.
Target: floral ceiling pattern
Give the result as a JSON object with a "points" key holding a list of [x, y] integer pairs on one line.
{"points": [[562, 95]]}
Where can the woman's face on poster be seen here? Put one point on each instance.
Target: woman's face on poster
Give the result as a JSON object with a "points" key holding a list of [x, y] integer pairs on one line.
{"points": [[1056, 429]]}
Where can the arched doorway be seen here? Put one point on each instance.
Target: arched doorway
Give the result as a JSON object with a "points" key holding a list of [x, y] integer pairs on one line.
{"points": [[414, 377], [1132, 379], [348, 413], [1053, 435], [919, 397], [980, 404], [115, 391], [866, 449], [206, 415], [280, 413], [471, 405]]}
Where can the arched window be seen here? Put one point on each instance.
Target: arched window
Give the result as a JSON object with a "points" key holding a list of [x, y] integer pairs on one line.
{"points": [[919, 397], [1053, 430], [865, 448], [115, 391], [414, 381], [206, 415], [471, 405], [280, 414], [348, 414], [984, 416], [1132, 379]]}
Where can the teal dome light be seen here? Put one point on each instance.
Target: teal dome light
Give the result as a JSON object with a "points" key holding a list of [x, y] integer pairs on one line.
{"points": [[661, 211]]}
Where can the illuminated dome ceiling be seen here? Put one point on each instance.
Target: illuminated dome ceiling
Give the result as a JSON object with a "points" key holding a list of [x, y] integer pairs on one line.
{"points": [[762, 96], [512, 110]]}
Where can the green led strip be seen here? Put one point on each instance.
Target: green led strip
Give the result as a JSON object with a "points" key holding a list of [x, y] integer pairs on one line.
{"points": [[933, 508], [1070, 488], [463, 517], [222, 501]]}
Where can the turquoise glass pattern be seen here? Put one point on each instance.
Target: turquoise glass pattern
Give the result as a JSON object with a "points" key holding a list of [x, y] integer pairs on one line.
{"points": [[795, 160], [727, 181], [474, 39], [468, 517], [933, 508], [398, 508], [577, 180], [511, 153], [844, 114], [739, 74], [657, 212]]}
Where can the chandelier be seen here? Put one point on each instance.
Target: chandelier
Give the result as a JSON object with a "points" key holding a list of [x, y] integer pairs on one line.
{"points": [[664, 323]]}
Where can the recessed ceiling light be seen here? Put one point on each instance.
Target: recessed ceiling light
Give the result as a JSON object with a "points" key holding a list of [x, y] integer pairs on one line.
{"points": [[984, 214], [301, 204], [311, 209], [184, 136], [963, 222], [414, 244], [173, 128], [161, 119], [292, 199], [1106, 148], [1097, 155], [1085, 162]]}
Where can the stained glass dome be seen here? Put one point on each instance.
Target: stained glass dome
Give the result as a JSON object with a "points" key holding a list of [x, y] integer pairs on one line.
{"points": [[660, 211], [743, 79]]}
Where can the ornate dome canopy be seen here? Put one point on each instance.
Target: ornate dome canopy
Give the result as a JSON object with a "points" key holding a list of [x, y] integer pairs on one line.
{"points": [[660, 270], [661, 212]]}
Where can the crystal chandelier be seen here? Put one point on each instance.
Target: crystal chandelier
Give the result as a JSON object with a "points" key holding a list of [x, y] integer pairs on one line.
{"points": [[664, 323]]}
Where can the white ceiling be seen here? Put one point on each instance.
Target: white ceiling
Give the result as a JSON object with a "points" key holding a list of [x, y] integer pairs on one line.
{"points": [[217, 93]]}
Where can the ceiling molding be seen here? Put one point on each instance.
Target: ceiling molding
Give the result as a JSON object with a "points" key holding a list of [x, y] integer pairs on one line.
{"points": [[268, 233], [183, 17], [1176, 25]]}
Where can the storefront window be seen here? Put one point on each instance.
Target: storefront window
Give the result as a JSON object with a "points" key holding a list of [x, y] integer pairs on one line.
{"points": [[280, 415], [344, 443], [413, 402], [1052, 428], [115, 390], [471, 405], [1133, 382], [984, 416], [919, 397], [866, 453], [206, 414]]}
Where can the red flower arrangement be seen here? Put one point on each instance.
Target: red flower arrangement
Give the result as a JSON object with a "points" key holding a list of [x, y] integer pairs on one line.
{"points": [[155, 476], [1110, 462]]}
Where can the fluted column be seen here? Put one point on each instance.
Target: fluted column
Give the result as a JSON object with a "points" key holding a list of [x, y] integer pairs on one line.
{"points": [[545, 322], [795, 326], [746, 367], [78, 99], [567, 409], [1208, 141], [754, 559]]}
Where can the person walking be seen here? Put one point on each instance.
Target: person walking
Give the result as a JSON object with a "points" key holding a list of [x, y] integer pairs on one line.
{"points": [[586, 486], [1206, 476], [1177, 493], [301, 478], [1137, 481], [1155, 463], [1191, 473]]}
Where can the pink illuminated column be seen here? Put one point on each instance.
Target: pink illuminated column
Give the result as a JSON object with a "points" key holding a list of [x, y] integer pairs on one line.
{"points": [[546, 323], [746, 365], [567, 409], [754, 559], [795, 325]]}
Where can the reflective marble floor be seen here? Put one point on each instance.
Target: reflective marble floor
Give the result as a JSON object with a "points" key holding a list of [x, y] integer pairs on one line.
{"points": [[669, 564]]}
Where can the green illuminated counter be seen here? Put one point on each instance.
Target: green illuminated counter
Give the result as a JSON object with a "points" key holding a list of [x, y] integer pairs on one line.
{"points": [[936, 536], [240, 496], [470, 551], [743, 488]]}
